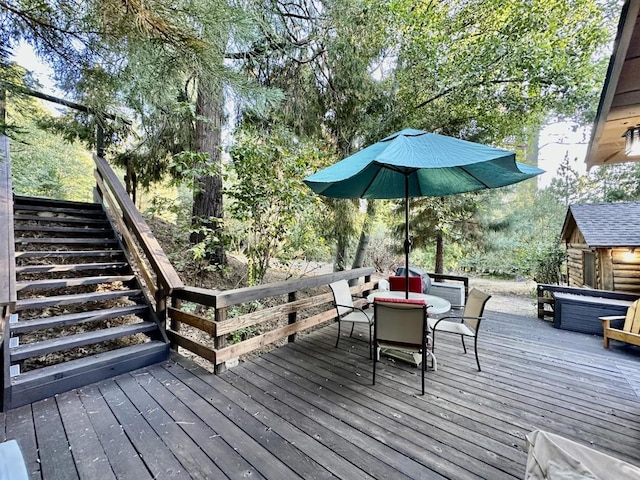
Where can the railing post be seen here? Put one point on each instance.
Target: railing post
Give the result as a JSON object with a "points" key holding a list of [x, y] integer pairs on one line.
{"points": [[367, 279], [161, 310], [293, 317], [220, 341], [175, 324]]}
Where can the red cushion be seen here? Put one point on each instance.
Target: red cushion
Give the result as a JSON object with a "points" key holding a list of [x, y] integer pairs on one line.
{"points": [[398, 284], [413, 301]]}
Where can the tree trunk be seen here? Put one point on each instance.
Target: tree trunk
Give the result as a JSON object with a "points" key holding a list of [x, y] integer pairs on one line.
{"points": [[439, 253], [343, 231], [340, 260], [207, 199], [363, 244]]}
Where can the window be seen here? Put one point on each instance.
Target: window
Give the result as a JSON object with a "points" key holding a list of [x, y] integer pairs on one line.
{"points": [[589, 269]]}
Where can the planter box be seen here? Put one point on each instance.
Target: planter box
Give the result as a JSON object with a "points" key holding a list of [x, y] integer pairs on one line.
{"points": [[581, 313]]}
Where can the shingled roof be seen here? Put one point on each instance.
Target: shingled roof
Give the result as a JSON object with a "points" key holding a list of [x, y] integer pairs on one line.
{"points": [[605, 224]]}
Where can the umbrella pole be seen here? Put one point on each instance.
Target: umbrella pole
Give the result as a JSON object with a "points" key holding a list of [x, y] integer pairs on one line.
{"points": [[407, 243]]}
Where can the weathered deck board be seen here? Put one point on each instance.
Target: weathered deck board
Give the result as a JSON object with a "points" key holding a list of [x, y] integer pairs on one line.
{"points": [[308, 410], [125, 461], [55, 457]]}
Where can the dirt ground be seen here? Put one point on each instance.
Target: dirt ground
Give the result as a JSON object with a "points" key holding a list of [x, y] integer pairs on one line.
{"points": [[509, 296]]}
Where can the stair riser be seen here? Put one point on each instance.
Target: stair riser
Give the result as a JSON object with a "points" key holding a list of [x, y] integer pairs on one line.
{"points": [[31, 387]]}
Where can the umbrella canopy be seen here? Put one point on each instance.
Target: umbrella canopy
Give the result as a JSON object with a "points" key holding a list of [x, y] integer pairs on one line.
{"points": [[415, 163], [434, 165]]}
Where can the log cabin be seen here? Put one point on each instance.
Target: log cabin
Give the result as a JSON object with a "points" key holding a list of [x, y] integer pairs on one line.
{"points": [[603, 246]]}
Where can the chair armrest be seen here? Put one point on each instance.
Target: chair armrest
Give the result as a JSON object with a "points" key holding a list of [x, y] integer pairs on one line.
{"points": [[352, 307], [462, 319], [613, 321]]}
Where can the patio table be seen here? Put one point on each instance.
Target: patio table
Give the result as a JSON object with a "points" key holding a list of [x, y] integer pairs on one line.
{"points": [[437, 305]]}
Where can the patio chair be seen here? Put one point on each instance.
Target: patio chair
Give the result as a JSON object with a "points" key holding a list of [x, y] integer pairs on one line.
{"points": [[347, 311], [400, 324], [466, 325], [625, 328]]}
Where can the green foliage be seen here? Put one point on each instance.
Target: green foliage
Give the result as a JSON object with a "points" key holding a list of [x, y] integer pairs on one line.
{"points": [[550, 261], [43, 164], [268, 197], [486, 69]]}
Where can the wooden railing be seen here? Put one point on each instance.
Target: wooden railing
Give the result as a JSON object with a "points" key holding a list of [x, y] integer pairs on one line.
{"points": [[154, 267], [213, 319]]}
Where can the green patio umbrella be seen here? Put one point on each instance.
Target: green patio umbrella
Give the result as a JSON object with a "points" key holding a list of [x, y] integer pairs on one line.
{"points": [[415, 163]]}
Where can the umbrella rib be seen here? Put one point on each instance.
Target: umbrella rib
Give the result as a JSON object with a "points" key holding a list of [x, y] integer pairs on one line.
{"points": [[373, 179], [405, 172], [474, 177]]}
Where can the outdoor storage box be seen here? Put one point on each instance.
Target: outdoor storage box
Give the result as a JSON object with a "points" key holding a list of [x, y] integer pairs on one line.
{"points": [[581, 313]]}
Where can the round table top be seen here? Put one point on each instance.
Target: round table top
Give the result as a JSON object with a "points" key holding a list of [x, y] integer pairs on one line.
{"points": [[437, 305]]}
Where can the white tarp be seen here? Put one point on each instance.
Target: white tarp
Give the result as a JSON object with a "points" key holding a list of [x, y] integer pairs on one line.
{"points": [[552, 457], [12, 465]]}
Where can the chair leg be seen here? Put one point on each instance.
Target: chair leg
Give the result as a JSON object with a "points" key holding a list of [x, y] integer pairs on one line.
{"points": [[475, 349], [370, 341], [424, 363], [375, 360], [352, 327], [434, 361], [463, 345], [338, 339]]}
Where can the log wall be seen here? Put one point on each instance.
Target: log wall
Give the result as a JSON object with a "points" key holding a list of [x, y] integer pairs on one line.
{"points": [[626, 270]]}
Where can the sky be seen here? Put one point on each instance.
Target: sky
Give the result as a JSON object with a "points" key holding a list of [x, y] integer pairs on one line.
{"points": [[557, 140]]}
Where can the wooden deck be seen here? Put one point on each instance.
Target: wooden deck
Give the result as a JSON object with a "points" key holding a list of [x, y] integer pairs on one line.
{"points": [[309, 410]]}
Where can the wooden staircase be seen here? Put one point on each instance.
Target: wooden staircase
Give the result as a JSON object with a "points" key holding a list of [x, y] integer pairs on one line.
{"points": [[81, 314]]}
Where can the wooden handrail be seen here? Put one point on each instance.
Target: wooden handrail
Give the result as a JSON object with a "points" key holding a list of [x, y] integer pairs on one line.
{"points": [[228, 298], [7, 253], [167, 275]]}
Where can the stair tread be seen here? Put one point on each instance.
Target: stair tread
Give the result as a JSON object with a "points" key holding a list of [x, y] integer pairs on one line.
{"points": [[44, 347], [24, 326], [42, 302], [22, 200], [48, 228], [67, 253], [69, 267], [70, 282], [65, 240], [66, 210], [93, 221]]}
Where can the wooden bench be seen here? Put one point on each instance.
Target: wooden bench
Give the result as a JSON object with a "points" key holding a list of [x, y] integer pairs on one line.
{"points": [[630, 331]]}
